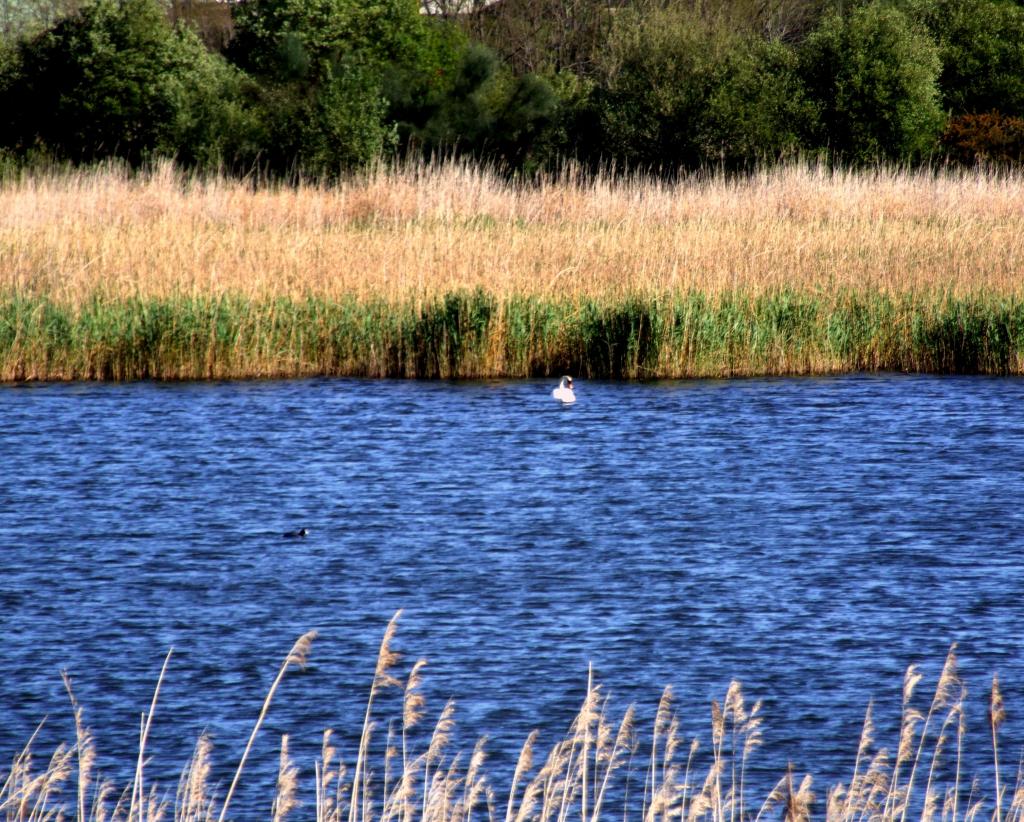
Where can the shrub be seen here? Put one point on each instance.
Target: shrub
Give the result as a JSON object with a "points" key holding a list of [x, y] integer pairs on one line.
{"points": [[990, 138]]}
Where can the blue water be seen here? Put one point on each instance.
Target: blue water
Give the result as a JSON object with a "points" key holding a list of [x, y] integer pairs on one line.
{"points": [[809, 537]]}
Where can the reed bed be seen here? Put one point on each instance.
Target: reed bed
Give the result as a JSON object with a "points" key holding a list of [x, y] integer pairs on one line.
{"points": [[449, 270], [603, 768]]}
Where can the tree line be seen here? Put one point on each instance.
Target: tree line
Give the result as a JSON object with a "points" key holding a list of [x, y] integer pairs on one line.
{"points": [[324, 86]]}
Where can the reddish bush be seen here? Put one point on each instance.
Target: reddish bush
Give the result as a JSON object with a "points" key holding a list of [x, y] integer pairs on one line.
{"points": [[985, 138]]}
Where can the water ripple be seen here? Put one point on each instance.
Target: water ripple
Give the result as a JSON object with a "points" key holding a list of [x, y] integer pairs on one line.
{"points": [[811, 537]]}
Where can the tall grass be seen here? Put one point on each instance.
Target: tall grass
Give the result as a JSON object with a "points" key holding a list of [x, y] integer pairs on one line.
{"points": [[451, 271], [595, 771], [473, 334]]}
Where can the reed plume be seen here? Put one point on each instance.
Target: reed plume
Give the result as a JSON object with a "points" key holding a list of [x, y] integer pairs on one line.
{"points": [[751, 734], [194, 802], [614, 757], [581, 771], [474, 785], [853, 798], [139, 802], [686, 787], [331, 782], [798, 802], [412, 712], [948, 680], [910, 717], [84, 747], [284, 800], [663, 731], [382, 678], [524, 762], [1016, 809], [435, 751], [996, 716]]}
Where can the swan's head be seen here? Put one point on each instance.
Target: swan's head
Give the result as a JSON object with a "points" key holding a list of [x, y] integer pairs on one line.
{"points": [[567, 382]]}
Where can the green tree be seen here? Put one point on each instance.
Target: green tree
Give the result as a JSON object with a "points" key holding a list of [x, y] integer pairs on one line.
{"points": [[653, 85], [325, 127], [117, 80], [873, 74], [338, 74], [758, 108], [216, 123], [981, 44], [271, 34]]}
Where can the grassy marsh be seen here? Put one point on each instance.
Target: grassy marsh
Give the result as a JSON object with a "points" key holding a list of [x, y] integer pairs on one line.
{"points": [[450, 271], [581, 777]]}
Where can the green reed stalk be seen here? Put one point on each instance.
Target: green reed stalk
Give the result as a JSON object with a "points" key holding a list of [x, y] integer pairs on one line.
{"points": [[473, 334]]}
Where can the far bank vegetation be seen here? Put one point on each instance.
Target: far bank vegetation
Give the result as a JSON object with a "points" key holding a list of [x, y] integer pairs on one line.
{"points": [[324, 87], [448, 270]]}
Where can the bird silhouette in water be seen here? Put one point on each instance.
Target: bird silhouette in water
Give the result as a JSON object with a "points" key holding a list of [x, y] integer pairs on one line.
{"points": [[301, 532]]}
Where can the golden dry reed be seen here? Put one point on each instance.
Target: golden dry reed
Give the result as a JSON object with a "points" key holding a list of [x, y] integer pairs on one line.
{"points": [[580, 779], [450, 270]]}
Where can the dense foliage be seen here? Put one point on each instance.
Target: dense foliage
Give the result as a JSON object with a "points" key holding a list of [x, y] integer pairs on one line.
{"points": [[324, 86]]}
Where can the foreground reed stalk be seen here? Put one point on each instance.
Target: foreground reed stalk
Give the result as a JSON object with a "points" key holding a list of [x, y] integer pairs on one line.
{"points": [[452, 271], [576, 781]]}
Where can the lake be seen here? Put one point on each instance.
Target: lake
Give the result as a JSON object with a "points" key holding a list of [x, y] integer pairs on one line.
{"points": [[808, 537]]}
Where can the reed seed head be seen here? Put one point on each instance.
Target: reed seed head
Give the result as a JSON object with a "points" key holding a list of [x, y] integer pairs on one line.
{"points": [[414, 702], [287, 785], [996, 713], [442, 732], [387, 658], [910, 680], [949, 679], [300, 650]]}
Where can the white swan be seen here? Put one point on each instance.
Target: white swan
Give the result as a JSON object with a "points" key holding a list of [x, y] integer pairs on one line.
{"points": [[564, 392]]}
